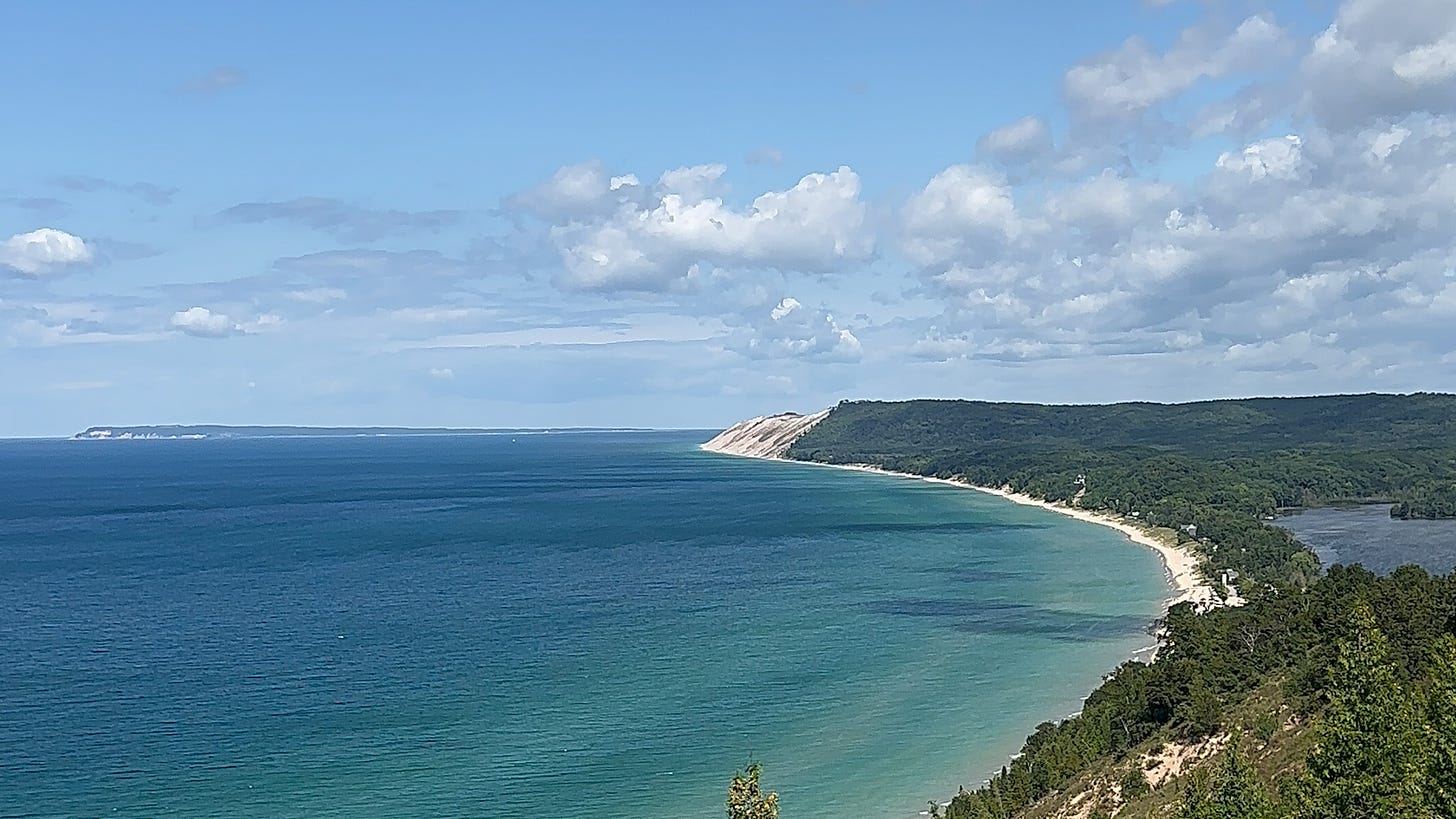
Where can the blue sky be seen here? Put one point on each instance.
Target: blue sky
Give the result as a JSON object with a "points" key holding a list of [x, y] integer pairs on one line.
{"points": [[652, 214]]}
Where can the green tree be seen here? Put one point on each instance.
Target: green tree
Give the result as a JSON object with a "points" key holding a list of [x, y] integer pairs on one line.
{"points": [[1133, 785], [1441, 728], [1368, 758], [1231, 792], [746, 800]]}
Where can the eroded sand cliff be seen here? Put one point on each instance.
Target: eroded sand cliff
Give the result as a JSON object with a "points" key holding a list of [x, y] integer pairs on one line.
{"points": [[767, 436]]}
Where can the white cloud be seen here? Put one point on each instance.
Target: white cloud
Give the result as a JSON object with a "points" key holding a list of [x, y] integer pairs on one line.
{"points": [[1342, 234], [1122, 84], [44, 251], [1430, 64], [203, 323], [660, 242], [1277, 158], [795, 331], [692, 184], [442, 372], [1021, 141], [574, 191], [1106, 207], [318, 295], [964, 211], [940, 348], [1382, 58], [433, 315]]}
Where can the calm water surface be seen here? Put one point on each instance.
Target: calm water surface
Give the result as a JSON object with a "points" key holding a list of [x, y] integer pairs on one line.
{"points": [[1369, 536], [596, 625]]}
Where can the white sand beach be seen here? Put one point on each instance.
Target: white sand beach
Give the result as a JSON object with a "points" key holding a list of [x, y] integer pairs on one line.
{"points": [[1180, 563]]}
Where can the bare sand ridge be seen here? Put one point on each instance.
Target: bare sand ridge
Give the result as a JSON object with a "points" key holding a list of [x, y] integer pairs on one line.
{"points": [[770, 436], [767, 436]]}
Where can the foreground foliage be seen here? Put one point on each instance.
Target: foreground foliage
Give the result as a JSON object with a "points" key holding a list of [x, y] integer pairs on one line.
{"points": [[1230, 791], [1215, 659], [745, 798]]}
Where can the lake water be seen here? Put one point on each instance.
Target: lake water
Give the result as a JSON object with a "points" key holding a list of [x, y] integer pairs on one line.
{"points": [[596, 625], [1367, 535]]}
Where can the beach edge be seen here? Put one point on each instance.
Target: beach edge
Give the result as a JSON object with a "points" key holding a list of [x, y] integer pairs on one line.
{"points": [[1183, 569]]}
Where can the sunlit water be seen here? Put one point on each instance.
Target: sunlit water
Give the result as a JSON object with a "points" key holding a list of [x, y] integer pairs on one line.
{"points": [[592, 625]]}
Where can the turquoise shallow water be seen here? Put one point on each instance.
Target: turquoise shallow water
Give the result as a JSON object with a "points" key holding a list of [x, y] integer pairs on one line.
{"points": [[596, 625]]}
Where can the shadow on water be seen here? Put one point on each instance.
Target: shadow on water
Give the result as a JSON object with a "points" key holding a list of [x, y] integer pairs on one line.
{"points": [[987, 617], [950, 527], [975, 572]]}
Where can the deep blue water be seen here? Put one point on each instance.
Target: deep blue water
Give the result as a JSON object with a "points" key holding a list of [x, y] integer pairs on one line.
{"points": [[594, 625]]}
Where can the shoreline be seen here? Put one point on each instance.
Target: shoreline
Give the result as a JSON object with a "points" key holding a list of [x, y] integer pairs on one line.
{"points": [[1181, 567]]}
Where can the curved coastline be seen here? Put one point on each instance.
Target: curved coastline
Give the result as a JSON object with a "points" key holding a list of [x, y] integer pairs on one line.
{"points": [[1181, 566]]}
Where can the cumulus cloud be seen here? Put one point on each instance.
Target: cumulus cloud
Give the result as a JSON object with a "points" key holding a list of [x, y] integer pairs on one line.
{"points": [[43, 252], [203, 323], [573, 192], [791, 330], [965, 211], [1281, 158], [1381, 59], [1328, 245], [1279, 236], [1106, 207], [692, 184], [658, 238]]}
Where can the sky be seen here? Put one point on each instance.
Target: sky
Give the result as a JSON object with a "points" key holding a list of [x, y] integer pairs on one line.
{"points": [[680, 215]]}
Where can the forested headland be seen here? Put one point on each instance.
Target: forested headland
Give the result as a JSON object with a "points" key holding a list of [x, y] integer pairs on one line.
{"points": [[1330, 694]]}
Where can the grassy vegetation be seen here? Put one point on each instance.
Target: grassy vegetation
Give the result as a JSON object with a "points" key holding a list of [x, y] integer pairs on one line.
{"points": [[1271, 733]]}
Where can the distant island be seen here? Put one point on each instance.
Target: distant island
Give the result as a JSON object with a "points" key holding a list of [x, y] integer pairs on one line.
{"points": [[193, 431]]}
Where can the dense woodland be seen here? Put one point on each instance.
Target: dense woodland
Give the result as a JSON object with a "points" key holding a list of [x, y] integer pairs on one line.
{"points": [[1366, 664], [1220, 467]]}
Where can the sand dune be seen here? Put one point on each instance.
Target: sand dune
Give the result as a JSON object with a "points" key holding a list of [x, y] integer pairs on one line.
{"points": [[767, 436]]}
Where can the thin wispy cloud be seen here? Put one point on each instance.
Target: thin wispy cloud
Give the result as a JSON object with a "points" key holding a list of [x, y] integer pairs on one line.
{"points": [[348, 222], [217, 80], [152, 194]]}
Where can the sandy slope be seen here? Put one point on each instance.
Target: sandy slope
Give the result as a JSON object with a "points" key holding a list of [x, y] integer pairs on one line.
{"points": [[767, 436]]}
